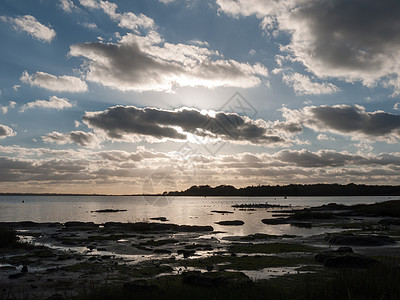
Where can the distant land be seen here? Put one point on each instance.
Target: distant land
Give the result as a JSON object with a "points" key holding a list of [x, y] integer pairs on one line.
{"points": [[320, 189]]}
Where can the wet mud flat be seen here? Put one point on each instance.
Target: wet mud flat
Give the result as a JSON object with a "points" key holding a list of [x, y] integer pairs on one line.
{"points": [[151, 260]]}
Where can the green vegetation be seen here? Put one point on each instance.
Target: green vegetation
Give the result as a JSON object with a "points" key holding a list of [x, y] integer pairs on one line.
{"points": [[379, 282]]}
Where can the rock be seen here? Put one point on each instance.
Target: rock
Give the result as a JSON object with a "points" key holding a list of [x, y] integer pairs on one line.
{"points": [[222, 212], [24, 269], [343, 257], [108, 210], [156, 227], [390, 221], [276, 221], [186, 253], [16, 275], [162, 219], [217, 279], [230, 223], [78, 224], [162, 251], [359, 240], [140, 286]]}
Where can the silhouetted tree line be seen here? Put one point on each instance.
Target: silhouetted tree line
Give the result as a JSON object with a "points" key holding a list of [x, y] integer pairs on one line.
{"points": [[350, 189]]}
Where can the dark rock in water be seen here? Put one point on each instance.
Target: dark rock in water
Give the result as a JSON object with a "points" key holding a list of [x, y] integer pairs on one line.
{"points": [[162, 251], [162, 219], [108, 210], [186, 253], [390, 221], [230, 223], [204, 247], [344, 257], [140, 286], [24, 269], [277, 221], [80, 224], [359, 240], [301, 224], [222, 212], [16, 275], [217, 279], [345, 250], [156, 227]]}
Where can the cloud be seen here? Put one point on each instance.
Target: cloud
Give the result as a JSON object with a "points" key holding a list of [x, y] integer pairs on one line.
{"points": [[33, 27], [6, 131], [324, 137], [350, 40], [348, 120], [121, 122], [51, 82], [67, 5], [116, 171], [54, 103], [90, 25], [142, 63], [303, 85], [5, 109], [166, 1], [126, 20], [396, 106], [85, 139]]}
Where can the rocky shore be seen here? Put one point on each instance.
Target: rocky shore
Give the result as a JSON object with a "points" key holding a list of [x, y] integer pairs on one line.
{"points": [[152, 259]]}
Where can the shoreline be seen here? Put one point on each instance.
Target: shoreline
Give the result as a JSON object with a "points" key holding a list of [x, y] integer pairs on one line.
{"points": [[63, 259]]}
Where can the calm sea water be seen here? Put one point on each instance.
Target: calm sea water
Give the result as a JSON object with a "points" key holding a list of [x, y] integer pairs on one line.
{"points": [[178, 210]]}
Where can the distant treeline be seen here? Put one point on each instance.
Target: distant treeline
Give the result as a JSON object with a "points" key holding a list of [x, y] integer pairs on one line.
{"points": [[292, 190]]}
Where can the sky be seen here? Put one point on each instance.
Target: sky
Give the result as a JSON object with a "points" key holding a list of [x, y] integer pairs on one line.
{"points": [[146, 96]]}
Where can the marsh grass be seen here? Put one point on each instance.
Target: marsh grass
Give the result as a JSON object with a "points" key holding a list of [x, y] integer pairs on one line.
{"points": [[378, 282]]}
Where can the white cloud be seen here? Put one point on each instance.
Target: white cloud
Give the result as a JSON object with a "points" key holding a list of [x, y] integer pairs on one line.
{"points": [[53, 103], [5, 109], [303, 85], [126, 20], [324, 137], [16, 87], [51, 82], [32, 26], [6, 131], [166, 1], [396, 106], [90, 25], [143, 63], [67, 5]]}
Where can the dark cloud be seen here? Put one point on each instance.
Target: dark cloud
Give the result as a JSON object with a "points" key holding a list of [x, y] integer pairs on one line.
{"points": [[347, 120], [120, 121], [6, 131], [350, 39], [85, 139]]}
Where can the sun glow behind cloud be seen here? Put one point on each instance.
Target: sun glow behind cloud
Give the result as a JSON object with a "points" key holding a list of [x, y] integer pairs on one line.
{"points": [[100, 94]]}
